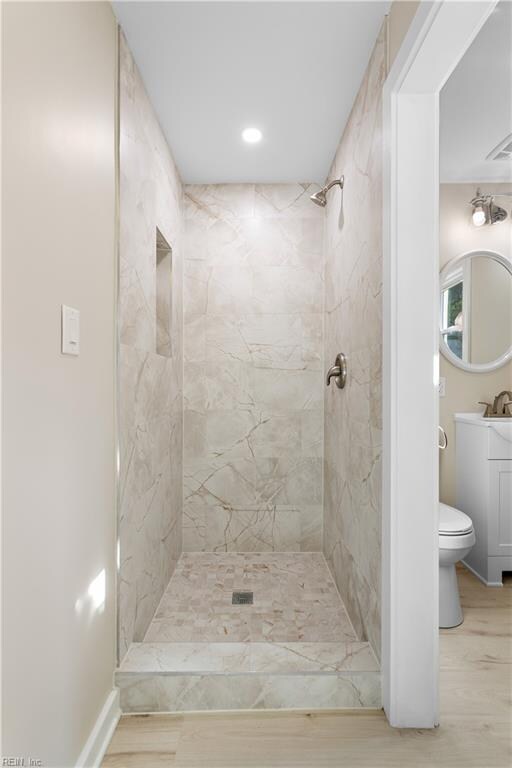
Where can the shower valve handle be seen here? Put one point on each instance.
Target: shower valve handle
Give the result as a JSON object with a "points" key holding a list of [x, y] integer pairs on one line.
{"points": [[338, 371]]}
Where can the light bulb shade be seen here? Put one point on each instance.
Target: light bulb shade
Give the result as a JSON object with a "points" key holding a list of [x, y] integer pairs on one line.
{"points": [[479, 215]]}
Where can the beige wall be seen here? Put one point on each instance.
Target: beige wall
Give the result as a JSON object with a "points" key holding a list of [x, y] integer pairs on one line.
{"points": [[464, 390], [58, 246], [151, 384], [491, 310]]}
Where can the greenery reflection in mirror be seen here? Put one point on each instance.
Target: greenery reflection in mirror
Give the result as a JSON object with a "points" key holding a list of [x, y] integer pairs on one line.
{"points": [[476, 311]]}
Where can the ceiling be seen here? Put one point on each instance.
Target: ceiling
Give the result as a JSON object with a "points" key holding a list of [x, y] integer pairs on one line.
{"points": [[291, 69], [476, 105]]}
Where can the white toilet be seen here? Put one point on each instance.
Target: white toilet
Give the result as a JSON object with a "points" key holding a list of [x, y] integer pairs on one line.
{"points": [[456, 538]]}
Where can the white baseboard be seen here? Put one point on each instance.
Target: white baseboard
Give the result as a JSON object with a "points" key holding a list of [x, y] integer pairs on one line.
{"points": [[481, 578], [99, 738]]}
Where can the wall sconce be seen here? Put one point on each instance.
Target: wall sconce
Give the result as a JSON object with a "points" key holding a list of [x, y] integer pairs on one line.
{"points": [[485, 210]]}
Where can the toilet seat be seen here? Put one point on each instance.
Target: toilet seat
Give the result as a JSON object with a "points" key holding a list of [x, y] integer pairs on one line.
{"points": [[453, 522]]}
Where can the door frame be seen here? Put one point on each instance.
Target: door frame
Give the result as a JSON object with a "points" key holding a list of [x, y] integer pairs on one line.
{"points": [[438, 37]]}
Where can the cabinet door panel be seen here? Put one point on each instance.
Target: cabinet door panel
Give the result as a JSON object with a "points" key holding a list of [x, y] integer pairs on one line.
{"points": [[500, 510]]}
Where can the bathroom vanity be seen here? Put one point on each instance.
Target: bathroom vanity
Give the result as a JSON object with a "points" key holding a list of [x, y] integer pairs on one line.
{"points": [[484, 491]]}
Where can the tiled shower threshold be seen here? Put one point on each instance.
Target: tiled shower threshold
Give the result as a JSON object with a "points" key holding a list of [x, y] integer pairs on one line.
{"points": [[294, 648]]}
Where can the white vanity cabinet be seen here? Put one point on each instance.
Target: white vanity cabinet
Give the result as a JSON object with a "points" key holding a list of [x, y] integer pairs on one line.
{"points": [[484, 491]]}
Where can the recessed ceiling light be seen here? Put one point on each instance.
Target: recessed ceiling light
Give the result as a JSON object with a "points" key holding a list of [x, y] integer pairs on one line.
{"points": [[252, 135]]}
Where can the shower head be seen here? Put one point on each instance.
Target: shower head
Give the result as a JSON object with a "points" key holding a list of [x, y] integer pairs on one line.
{"points": [[320, 197]]}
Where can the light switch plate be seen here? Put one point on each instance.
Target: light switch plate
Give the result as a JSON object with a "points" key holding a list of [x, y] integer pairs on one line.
{"points": [[70, 331], [442, 386]]}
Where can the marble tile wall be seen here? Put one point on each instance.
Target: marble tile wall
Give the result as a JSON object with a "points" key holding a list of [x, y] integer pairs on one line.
{"points": [[253, 381], [182, 693], [260, 657], [353, 325], [150, 384]]}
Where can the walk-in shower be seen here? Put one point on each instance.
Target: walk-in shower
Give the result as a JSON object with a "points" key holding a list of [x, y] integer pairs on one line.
{"points": [[249, 537]]}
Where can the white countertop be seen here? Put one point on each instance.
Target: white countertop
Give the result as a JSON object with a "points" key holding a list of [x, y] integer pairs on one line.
{"points": [[478, 418]]}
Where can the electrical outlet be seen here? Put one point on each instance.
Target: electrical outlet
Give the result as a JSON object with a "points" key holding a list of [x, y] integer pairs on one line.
{"points": [[442, 386]]}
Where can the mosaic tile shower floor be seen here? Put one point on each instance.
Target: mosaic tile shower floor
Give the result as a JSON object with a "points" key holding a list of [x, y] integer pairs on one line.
{"points": [[295, 600]]}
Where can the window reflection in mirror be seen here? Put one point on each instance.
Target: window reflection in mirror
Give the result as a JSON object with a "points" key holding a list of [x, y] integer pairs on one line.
{"points": [[452, 318], [476, 308]]}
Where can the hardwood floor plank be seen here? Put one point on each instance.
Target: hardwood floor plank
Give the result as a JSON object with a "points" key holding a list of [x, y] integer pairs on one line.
{"points": [[148, 730], [137, 759], [326, 741]]}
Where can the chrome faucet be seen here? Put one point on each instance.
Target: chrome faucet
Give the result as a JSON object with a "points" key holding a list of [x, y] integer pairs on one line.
{"points": [[499, 406]]}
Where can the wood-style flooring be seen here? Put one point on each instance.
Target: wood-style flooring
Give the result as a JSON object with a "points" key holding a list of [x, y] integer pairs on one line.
{"points": [[475, 730]]}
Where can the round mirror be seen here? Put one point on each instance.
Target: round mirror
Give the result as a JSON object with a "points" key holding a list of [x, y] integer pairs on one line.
{"points": [[475, 318]]}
